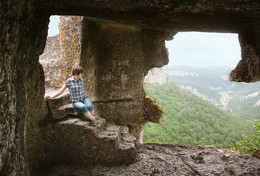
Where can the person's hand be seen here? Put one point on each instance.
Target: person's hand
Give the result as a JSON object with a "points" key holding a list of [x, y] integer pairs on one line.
{"points": [[48, 97]]}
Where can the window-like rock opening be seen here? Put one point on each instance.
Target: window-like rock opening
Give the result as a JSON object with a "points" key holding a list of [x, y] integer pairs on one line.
{"points": [[201, 106], [62, 51]]}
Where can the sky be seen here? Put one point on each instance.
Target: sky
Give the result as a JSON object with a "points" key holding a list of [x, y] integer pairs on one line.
{"points": [[204, 49], [195, 49], [54, 25]]}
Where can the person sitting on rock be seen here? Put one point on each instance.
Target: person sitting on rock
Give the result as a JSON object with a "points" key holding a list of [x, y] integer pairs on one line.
{"points": [[79, 100]]}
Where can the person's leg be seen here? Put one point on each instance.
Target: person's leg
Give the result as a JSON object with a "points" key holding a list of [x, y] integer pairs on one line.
{"points": [[83, 108], [90, 117], [89, 105]]}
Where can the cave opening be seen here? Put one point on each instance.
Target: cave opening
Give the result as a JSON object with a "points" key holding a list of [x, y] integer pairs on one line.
{"points": [[201, 106], [198, 69]]}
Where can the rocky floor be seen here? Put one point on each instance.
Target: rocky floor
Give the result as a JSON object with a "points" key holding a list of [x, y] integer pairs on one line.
{"points": [[172, 160]]}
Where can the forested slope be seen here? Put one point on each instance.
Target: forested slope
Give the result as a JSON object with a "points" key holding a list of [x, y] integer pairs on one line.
{"points": [[211, 83], [192, 120]]}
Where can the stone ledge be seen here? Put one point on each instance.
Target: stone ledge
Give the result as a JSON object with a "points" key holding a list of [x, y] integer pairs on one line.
{"points": [[169, 159], [75, 140], [64, 110]]}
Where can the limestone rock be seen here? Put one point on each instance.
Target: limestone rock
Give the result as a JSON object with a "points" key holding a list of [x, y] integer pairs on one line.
{"points": [[155, 75], [74, 140], [153, 112], [62, 52], [70, 44], [173, 160], [50, 60]]}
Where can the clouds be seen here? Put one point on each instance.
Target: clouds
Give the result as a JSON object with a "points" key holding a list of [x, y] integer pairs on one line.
{"points": [[204, 49]]}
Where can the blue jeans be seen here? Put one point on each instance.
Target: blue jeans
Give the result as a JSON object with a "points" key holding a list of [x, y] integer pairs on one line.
{"points": [[83, 106]]}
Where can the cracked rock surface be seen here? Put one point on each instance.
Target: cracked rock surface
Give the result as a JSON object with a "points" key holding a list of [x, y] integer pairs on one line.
{"points": [[173, 160]]}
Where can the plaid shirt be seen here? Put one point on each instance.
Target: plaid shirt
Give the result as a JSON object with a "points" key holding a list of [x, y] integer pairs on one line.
{"points": [[76, 88]]}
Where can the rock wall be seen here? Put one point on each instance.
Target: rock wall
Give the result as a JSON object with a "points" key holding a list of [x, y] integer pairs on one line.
{"points": [[22, 37], [248, 69], [50, 60], [70, 45], [116, 59]]}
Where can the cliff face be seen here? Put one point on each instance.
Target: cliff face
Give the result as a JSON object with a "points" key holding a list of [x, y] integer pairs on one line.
{"points": [[155, 75], [121, 41]]}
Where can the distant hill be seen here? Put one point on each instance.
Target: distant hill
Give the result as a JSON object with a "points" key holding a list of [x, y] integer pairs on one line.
{"points": [[189, 119], [241, 99]]}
